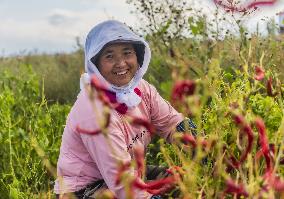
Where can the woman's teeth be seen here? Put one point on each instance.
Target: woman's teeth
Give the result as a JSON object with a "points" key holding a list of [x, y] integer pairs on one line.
{"points": [[121, 73]]}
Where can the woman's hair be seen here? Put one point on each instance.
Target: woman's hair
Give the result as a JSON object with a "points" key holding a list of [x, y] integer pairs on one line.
{"points": [[140, 52]]}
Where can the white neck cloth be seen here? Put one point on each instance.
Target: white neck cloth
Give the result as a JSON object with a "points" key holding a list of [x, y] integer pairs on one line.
{"points": [[125, 95]]}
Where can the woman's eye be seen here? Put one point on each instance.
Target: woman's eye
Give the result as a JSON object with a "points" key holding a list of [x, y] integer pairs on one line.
{"points": [[109, 56], [128, 52]]}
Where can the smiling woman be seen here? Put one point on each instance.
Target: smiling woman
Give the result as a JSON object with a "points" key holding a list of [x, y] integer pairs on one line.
{"points": [[95, 146], [118, 63]]}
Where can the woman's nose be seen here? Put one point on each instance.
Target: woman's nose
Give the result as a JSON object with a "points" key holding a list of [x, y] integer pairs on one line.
{"points": [[120, 61]]}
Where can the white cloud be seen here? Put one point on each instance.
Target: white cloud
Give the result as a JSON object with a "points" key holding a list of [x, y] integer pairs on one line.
{"points": [[62, 17], [56, 30]]}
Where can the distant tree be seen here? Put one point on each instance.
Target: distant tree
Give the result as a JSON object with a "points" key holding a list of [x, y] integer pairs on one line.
{"points": [[169, 19]]}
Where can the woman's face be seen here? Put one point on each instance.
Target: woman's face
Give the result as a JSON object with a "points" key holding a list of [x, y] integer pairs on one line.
{"points": [[117, 63]]}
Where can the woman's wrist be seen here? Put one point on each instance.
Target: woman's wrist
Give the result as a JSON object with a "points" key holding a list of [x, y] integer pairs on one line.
{"points": [[156, 197], [187, 125]]}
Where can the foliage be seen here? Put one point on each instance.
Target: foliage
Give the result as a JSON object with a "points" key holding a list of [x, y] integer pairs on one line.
{"points": [[30, 136], [59, 74], [213, 107]]}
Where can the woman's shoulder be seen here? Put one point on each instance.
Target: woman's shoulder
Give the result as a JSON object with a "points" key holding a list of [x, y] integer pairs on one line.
{"points": [[83, 101], [85, 108], [145, 86]]}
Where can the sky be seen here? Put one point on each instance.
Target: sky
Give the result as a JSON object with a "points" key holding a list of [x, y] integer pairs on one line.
{"points": [[52, 25]]}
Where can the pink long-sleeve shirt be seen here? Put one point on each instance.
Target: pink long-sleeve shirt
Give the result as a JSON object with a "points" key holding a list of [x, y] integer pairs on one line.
{"points": [[86, 158]]}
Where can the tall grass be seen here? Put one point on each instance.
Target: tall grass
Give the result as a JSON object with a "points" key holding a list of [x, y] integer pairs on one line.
{"points": [[30, 136], [59, 74]]}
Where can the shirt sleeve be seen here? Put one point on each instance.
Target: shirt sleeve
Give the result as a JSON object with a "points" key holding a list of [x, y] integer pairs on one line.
{"points": [[106, 153], [163, 116]]}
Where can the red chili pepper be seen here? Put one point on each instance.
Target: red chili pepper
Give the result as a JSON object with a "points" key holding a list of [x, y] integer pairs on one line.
{"points": [[276, 183], [121, 108], [145, 123], [260, 3], [245, 128], [104, 99], [264, 144], [94, 132], [259, 73], [230, 7], [109, 97], [183, 88], [160, 191], [95, 83], [154, 187], [259, 154], [155, 184], [235, 189], [239, 120], [269, 88], [234, 162], [188, 139], [272, 181]]}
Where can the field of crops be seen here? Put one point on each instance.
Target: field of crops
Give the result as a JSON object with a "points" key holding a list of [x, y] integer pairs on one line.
{"points": [[231, 88]]}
